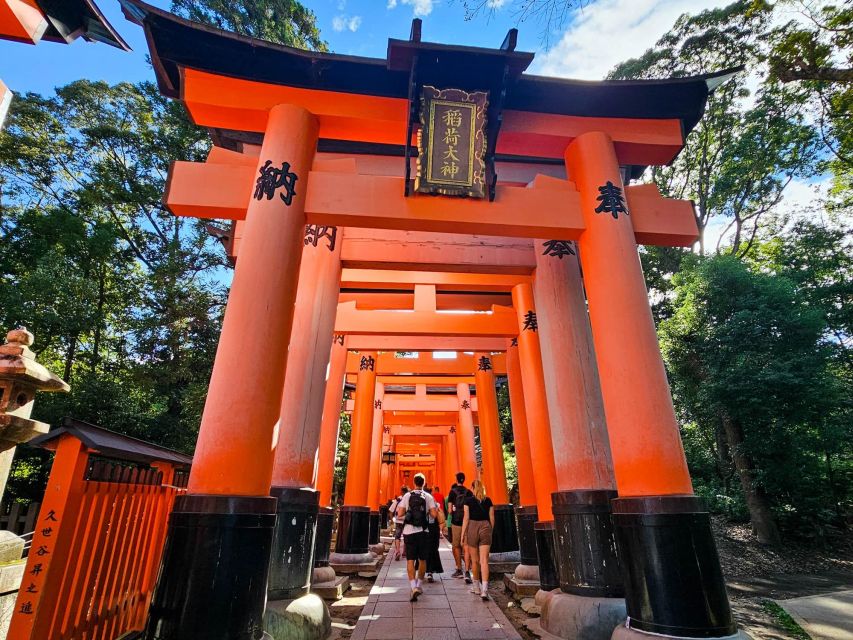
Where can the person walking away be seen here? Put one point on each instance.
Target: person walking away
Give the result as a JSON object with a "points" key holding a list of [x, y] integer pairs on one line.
{"points": [[416, 508], [438, 496], [478, 522], [398, 522], [436, 525], [455, 505]]}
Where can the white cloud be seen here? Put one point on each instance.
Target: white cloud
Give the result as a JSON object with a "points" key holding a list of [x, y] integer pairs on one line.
{"points": [[495, 4], [420, 7], [608, 32], [340, 23]]}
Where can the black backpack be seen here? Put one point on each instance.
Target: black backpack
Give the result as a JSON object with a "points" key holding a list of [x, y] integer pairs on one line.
{"points": [[459, 499], [416, 515]]}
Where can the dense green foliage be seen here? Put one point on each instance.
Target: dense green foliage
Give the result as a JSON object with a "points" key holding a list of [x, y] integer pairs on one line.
{"points": [[282, 21], [124, 299], [755, 327]]}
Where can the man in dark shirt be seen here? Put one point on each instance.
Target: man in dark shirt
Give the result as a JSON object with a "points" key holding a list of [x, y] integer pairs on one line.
{"points": [[455, 500]]}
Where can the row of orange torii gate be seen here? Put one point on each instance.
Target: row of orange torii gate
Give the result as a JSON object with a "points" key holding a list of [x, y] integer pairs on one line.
{"points": [[339, 266]]}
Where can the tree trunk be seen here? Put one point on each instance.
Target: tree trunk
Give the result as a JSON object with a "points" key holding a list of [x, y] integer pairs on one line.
{"points": [[99, 319], [70, 353], [760, 514]]}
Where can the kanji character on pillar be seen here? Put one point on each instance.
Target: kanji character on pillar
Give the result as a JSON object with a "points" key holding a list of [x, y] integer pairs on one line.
{"points": [[272, 179], [612, 201]]}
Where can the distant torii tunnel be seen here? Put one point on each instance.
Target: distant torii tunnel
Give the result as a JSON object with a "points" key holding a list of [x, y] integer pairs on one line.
{"points": [[440, 200]]}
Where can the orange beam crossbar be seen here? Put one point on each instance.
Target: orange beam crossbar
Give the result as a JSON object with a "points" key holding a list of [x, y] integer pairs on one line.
{"points": [[413, 403], [24, 21], [427, 420], [424, 343], [501, 322], [548, 134], [443, 281], [443, 301], [462, 365], [416, 251], [232, 103], [377, 202], [430, 381]]}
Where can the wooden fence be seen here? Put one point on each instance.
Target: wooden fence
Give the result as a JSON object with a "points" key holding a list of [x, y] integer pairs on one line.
{"points": [[21, 519], [98, 540]]}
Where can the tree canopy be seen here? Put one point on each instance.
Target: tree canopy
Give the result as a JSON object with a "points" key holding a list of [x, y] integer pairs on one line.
{"points": [[282, 21]]}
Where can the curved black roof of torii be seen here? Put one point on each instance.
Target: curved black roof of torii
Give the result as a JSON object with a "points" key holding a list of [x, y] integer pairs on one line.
{"points": [[175, 42]]}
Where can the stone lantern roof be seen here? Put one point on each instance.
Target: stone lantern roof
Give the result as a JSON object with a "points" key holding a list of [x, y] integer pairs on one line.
{"points": [[18, 361]]}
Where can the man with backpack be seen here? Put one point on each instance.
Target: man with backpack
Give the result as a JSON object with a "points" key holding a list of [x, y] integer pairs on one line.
{"points": [[415, 508], [456, 505]]}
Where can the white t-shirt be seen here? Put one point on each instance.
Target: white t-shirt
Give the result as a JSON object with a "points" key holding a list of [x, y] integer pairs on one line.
{"points": [[394, 506], [404, 504]]}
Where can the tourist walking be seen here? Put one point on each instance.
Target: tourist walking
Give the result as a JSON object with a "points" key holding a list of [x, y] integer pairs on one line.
{"points": [[478, 522], [433, 564], [455, 503], [439, 498], [398, 522], [416, 507]]}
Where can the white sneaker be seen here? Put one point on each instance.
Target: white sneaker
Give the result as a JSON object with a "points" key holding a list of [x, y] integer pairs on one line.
{"points": [[475, 591]]}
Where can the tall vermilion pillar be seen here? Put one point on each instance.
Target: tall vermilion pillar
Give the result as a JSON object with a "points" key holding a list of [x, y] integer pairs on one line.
{"points": [[301, 416], [505, 534], [465, 434], [525, 511], [452, 465], [328, 448], [228, 505], [672, 575], [354, 517], [332, 401], [587, 562], [375, 462], [538, 430], [491, 445]]}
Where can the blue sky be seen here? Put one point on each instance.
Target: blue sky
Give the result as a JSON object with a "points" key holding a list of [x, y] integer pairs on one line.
{"points": [[362, 27]]}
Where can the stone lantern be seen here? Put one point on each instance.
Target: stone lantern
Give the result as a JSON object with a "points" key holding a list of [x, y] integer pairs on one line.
{"points": [[20, 378]]}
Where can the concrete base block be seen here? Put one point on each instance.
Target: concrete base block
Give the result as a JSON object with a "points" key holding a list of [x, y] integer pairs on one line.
{"points": [[306, 618], [386, 539], [580, 618], [623, 632], [11, 576], [529, 572], [503, 562], [520, 588], [333, 589], [11, 547], [322, 574], [349, 563]]}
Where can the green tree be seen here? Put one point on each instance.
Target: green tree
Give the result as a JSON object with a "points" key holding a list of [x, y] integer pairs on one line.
{"points": [[281, 21], [740, 157], [748, 360], [125, 299], [815, 54]]}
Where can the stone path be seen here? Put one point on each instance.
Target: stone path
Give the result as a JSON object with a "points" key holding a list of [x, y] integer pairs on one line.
{"points": [[824, 617], [445, 611]]}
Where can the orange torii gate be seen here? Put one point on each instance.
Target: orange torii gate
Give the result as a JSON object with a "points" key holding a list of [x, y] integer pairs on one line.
{"points": [[325, 141]]}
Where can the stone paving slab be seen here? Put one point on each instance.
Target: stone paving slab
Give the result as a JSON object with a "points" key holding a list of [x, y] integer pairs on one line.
{"points": [[828, 616], [445, 611]]}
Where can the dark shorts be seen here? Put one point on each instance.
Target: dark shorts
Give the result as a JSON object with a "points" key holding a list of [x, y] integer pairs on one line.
{"points": [[398, 530], [418, 545]]}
